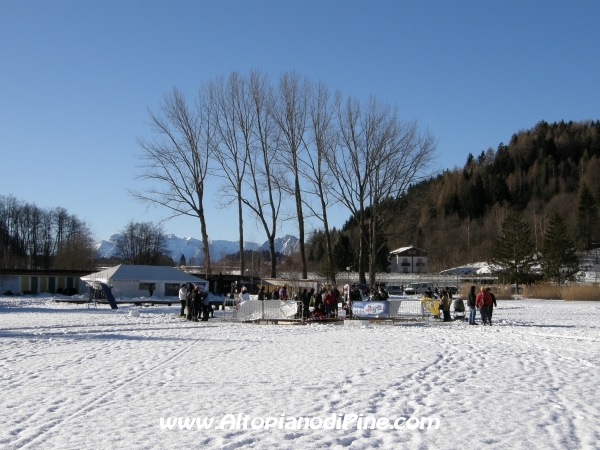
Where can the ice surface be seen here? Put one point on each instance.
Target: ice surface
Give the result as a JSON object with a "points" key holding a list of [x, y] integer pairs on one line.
{"points": [[75, 378]]}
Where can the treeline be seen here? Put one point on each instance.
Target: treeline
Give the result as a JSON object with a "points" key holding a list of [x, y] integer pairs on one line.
{"points": [[345, 253], [43, 238], [457, 215]]}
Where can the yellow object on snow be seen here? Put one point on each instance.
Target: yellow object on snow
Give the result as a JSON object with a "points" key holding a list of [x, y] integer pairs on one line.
{"points": [[433, 306]]}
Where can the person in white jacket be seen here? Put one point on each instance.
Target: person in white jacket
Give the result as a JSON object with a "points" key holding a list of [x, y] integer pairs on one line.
{"points": [[244, 294], [182, 299]]}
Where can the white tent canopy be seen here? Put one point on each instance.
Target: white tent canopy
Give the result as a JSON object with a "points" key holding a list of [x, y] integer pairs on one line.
{"points": [[137, 281]]}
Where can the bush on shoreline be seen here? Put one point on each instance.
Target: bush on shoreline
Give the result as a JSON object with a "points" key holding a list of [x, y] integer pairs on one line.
{"points": [[545, 291]]}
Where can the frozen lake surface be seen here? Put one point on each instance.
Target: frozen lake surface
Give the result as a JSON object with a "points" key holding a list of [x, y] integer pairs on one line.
{"points": [[79, 378]]}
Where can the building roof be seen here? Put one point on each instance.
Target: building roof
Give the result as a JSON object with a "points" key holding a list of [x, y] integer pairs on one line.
{"points": [[477, 268], [124, 272], [404, 249]]}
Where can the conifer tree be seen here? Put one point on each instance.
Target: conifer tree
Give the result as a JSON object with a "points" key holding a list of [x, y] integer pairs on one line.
{"points": [[514, 249], [559, 259], [182, 260], [587, 218], [343, 255]]}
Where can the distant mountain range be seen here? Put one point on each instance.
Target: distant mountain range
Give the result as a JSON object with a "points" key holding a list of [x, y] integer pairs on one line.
{"points": [[192, 248]]}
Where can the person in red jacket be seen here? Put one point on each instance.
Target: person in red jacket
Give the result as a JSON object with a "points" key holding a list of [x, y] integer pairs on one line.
{"points": [[330, 300], [483, 302]]}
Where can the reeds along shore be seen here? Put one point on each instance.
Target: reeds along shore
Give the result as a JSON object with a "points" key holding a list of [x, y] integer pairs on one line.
{"points": [[545, 291]]}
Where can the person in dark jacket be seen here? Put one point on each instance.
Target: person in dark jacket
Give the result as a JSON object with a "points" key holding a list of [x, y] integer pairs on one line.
{"points": [[492, 304], [196, 304], [261, 293], [445, 305], [189, 302], [471, 305], [205, 305], [318, 299], [382, 295], [305, 298]]}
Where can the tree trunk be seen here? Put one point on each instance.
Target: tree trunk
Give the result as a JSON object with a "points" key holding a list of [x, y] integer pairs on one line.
{"points": [[361, 253], [300, 227], [328, 246], [272, 253], [241, 228], [205, 245]]}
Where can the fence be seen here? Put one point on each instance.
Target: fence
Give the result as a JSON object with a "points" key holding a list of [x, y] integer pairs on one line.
{"points": [[268, 310], [250, 310], [392, 309]]}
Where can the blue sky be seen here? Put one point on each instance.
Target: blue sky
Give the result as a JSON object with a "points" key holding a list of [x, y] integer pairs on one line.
{"points": [[77, 77]]}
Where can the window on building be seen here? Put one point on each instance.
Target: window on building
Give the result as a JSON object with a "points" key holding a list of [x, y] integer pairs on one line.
{"points": [[171, 289]]}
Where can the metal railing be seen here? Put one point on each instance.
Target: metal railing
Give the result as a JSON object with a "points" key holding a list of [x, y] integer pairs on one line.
{"points": [[250, 310]]}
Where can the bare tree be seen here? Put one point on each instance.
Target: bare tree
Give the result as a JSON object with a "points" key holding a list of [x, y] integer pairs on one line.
{"points": [[76, 248], [322, 132], [377, 158], [234, 120], [178, 159], [289, 111], [142, 243], [265, 184]]}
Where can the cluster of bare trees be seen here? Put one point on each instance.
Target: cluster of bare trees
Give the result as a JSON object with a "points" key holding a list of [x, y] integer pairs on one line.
{"points": [[286, 143], [39, 238], [143, 243]]}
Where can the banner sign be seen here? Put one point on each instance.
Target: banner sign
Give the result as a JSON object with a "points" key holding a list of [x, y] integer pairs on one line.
{"points": [[370, 309], [433, 306]]}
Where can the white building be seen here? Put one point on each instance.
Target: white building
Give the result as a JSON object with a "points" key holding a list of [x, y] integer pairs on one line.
{"points": [[137, 281], [408, 260]]}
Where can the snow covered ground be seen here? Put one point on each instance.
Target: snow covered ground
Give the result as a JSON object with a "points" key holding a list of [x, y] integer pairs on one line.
{"points": [[79, 378]]}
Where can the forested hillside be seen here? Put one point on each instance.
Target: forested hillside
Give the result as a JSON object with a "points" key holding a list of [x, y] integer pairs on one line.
{"points": [[457, 215]]}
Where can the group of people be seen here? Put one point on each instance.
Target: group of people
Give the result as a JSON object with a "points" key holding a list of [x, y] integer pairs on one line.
{"points": [[484, 301], [195, 303], [445, 298], [279, 293], [378, 295]]}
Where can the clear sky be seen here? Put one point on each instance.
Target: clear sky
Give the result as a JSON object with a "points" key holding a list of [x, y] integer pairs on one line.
{"points": [[77, 77]]}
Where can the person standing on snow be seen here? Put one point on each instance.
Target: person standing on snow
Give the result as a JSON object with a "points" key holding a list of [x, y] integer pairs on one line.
{"points": [[244, 295], [197, 304], [189, 302], [261, 293], [205, 301], [483, 302], [329, 301], [283, 293], [472, 306], [182, 299], [492, 304], [445, 304]]}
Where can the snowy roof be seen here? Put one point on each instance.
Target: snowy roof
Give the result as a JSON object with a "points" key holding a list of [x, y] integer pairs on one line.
{"points": [[124, 272], [478, 268], [403, 249]]}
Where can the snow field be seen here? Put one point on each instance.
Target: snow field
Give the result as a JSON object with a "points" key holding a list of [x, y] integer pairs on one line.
{"points": [[75, 378]]}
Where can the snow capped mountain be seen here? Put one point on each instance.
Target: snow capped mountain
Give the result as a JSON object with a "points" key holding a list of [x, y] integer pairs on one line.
{"points": [[106, 249], [285, 245], [192, 248]]}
